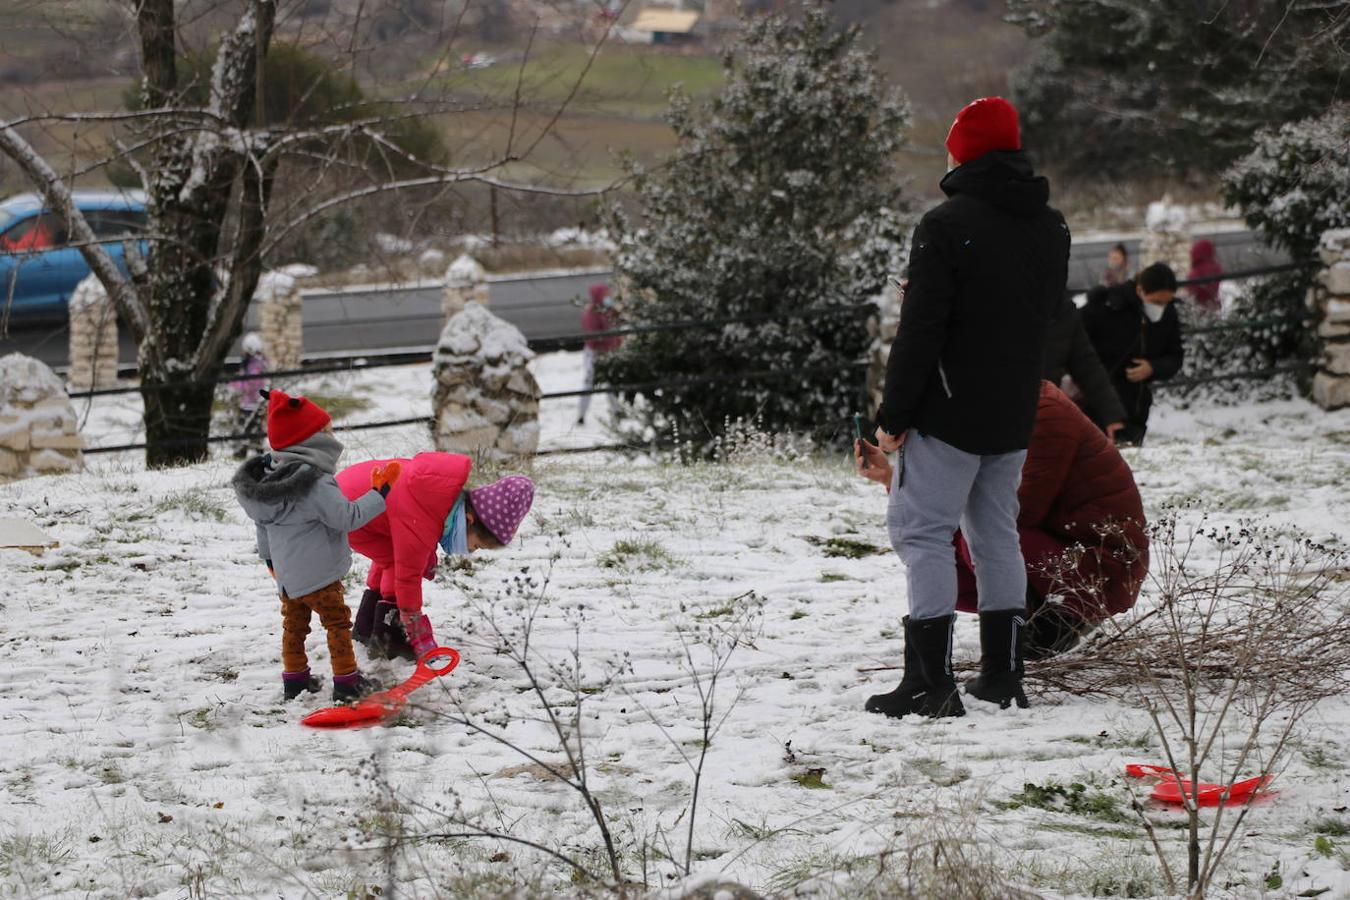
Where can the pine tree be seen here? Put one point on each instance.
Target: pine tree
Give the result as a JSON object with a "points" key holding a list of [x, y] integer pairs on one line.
{"points": [[782, 205], [1130, 86]]}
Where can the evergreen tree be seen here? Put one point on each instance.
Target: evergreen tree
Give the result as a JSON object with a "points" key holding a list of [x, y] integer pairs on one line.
{"points": [[1127, 86], [782, 204]]}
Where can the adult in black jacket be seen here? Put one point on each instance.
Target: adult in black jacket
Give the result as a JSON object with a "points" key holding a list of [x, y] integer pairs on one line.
{"points": [[987, 272], [1068, 349], [1138, 337]]}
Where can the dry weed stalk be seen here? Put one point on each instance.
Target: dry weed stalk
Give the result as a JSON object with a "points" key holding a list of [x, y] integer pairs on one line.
{"points": [[1247, 629]]}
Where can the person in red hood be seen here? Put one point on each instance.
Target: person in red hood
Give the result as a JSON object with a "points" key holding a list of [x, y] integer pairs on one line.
{"points": [[429, 506], [1205, 264], [596, 318], [1076, 491]]}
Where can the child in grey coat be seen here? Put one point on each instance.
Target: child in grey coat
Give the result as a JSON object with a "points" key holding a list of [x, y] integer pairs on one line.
{"points": [[303, 519]]}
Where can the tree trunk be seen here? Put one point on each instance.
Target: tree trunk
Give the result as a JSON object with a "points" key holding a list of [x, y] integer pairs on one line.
{"points": [[177, 422]]}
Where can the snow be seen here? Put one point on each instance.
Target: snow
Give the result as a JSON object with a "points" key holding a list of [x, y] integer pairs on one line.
{"points": [[89, 292], [465, 271], [147, 752], [26, 380], [475, 332], [1164, 215]]}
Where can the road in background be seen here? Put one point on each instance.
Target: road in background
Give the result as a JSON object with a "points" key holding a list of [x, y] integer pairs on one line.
{"points": [[384, 319]]}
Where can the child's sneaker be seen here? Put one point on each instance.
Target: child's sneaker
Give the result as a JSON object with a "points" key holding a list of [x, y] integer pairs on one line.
{"points": [[347, 688], [296, 683]]}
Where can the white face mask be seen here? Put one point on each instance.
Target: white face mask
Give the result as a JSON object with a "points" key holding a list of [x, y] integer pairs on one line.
{"points": [[1154, 311]]}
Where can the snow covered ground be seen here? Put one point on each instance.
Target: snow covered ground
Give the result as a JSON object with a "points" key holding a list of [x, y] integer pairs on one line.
{"points": [[146, 751]]}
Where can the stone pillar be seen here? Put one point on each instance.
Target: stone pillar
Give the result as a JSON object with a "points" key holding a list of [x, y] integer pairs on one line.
{"points": [[37, 423], [882, 328], [1329, 299], [93, 337], [465, 283], [486, 401], [280, 319], [1167, 238]]}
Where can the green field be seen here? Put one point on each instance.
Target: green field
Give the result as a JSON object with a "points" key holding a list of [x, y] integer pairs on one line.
{"points": [[623, 80]]}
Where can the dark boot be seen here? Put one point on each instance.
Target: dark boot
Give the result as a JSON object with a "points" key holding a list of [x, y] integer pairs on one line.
{"points": [[364, 622], [1000, 678], [349, 688], [1052, 631], [927, 687], [387, 638], [296, 683]]}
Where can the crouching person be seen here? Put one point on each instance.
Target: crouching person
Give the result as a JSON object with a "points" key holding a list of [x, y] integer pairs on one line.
{"points": [[303, 519], [1080, 524], [430, 507]]}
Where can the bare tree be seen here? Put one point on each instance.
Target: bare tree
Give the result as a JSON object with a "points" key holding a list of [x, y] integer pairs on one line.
{"points": [[210, 170]]}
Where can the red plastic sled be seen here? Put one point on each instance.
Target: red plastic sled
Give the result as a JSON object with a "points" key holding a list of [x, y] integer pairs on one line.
{"points": [[383, 705], [1172, 788]]}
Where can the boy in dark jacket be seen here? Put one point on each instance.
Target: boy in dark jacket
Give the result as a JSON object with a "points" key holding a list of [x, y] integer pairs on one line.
{"points": [[987, 272], [1069, 350], [1138, 337], [303, 520]]}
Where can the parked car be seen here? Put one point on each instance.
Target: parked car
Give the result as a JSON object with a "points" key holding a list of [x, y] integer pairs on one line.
{"points": [[38, 268]]}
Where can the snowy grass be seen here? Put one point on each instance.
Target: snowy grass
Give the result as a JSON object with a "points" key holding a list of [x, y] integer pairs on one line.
{"points": [[148, 752]]}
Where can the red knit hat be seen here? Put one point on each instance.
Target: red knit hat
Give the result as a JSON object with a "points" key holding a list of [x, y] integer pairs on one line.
{"points": [[291, 420], [987, 124]]}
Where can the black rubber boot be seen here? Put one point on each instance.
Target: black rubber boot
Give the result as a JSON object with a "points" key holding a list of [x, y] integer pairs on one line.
{"points": [[1050, 632], [387, 638], [1000, 678], [927, 688], [364, 622], [295, 686], [349, 688]]}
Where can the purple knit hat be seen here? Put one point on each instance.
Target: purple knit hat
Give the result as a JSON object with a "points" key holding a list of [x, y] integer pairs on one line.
{"points": [[502, 505]]}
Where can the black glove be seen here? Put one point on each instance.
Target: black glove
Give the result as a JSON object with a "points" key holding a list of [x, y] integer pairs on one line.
{"points": [[1051, 631]]}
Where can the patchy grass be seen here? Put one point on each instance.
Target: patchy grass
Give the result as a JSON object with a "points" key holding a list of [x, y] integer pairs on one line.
{"points": [[813, 779], [340, 406], [195, 503], [846, 548], [636, 556], [1075, 798]]}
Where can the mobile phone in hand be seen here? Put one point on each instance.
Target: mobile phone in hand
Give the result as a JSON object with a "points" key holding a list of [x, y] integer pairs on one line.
{"points": [[858, 435]]}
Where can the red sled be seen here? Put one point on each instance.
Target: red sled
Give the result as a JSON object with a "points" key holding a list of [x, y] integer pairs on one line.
{"points": [[386, 704], [1172, 788]]}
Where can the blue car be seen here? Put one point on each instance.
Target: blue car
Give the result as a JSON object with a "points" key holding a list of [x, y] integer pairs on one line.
{"points": [[39, 269]]}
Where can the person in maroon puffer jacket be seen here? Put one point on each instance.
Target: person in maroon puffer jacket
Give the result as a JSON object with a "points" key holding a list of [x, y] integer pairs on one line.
{"points": [[1081, 526], [1205, 264]]}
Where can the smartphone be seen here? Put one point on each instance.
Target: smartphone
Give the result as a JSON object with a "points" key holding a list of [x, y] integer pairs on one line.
{"points": [[858, 434]]}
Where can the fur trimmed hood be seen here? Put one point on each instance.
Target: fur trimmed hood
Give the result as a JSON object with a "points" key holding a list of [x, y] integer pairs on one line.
{"points": [[252, 482]]}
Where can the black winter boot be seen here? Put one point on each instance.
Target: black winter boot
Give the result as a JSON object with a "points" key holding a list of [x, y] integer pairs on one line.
{"points": [[1000, 678], [364, 622], [347, 688], [296, 683], [387, 638], [927, 687]]}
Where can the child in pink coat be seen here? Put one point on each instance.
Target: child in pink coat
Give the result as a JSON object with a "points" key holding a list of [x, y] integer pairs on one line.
{"points": [[428, 507]]}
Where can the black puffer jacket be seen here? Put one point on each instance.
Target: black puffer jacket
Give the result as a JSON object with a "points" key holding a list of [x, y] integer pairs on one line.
{"points": [[987, 272], [1114, 319], [1069, 349]]}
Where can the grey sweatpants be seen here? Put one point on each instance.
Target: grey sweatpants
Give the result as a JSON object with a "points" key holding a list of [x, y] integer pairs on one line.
{"points": [[943, 488]]}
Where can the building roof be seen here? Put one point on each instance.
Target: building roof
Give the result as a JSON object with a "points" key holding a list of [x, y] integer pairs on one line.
{"points": [[674, 21]]}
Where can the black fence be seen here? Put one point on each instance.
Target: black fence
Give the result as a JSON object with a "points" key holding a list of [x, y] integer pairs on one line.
{"points": [[577, 340]]}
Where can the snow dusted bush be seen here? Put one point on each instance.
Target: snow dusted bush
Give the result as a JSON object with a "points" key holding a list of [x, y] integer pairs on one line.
{"points": [[781, 206], [1293, 186]]}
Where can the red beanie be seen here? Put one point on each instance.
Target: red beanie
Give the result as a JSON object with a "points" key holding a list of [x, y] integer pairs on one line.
{"points": [[291, 420], [989, 123]]}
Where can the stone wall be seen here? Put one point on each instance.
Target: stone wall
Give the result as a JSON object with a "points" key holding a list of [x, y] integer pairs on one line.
{"points": [[93, 337], [280, 320], [37, 422], [485, 399], [465, 283], [1167, 238], [1329, 300]]}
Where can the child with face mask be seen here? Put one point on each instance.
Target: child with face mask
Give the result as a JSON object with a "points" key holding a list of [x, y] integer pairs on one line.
{"points": [[302, 520]]}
